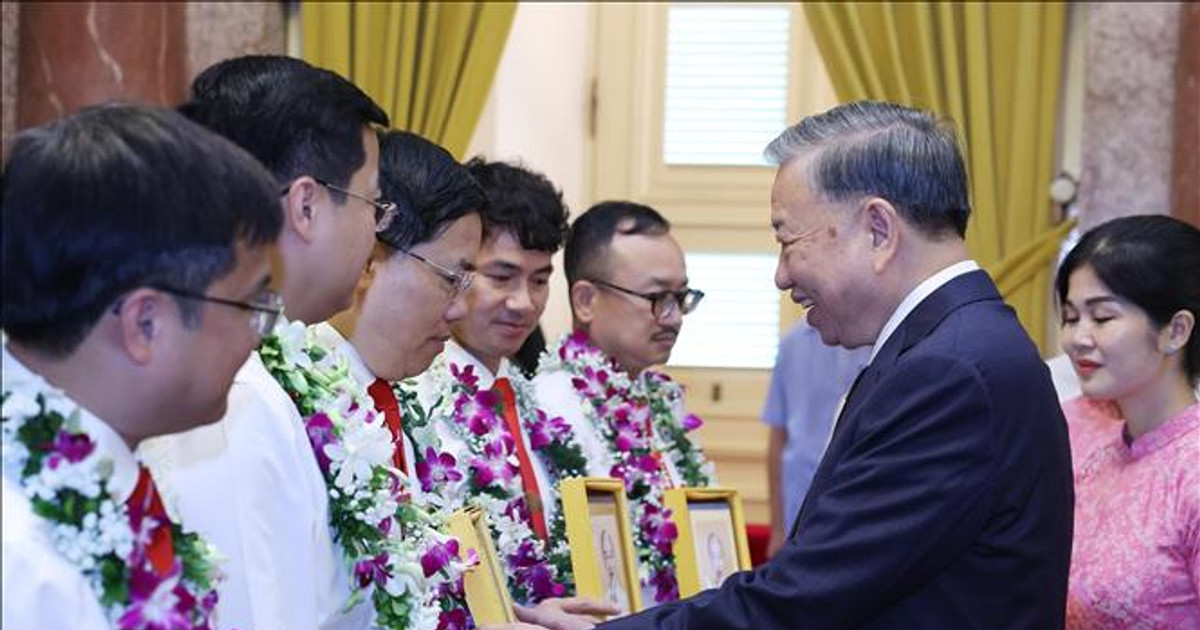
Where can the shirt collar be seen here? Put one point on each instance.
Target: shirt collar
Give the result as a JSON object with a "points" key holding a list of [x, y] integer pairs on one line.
{"points": [[331, 339], [108, 443], [914, 298]]}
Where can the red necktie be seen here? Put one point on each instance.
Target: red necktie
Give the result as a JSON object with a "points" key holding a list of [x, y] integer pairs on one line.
{"points": [[145, 502], [533, 496], [386, 403]]}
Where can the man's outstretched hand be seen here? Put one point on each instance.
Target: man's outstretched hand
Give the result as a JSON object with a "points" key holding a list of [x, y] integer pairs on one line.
{"points": [[563, 613]]}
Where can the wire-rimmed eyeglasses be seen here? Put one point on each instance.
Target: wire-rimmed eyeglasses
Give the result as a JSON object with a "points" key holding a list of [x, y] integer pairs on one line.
{"points": [[385, 211], [265, 310], [457, 282], [663, 304]]}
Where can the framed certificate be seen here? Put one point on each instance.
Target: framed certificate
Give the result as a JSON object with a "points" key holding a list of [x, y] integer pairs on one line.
{"points": [[712, 537], [485, 584], [598, 532]]}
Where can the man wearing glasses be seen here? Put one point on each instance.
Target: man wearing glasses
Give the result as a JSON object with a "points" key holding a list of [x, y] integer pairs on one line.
{"points": [[629, 292], [251, 482], [413, 287], [133, 291]]}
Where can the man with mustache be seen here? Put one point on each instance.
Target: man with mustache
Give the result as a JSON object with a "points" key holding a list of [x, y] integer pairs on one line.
{"points": [[629, 293]]}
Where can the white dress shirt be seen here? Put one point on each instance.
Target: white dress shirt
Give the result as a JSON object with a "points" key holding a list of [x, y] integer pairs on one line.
{"points": [[250, 484], [452, 442], [361, 374], [41, 589]]}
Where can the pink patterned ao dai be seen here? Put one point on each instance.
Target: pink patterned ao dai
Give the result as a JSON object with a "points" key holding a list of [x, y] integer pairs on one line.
{"points": [[1136, 557]]}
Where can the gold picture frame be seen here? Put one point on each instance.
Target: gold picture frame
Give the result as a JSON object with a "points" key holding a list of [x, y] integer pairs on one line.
{"points": [[601, 542], [485, 583], [712, 543]]}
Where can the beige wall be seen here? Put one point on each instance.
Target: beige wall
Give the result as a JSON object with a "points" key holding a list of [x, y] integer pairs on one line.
{"points": [[538, 112]]}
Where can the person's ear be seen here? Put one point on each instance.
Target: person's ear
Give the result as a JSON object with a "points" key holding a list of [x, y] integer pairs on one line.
{"points": [[583, 301], [299, 207], [881, 223], [141, 323], [1178, 331]]}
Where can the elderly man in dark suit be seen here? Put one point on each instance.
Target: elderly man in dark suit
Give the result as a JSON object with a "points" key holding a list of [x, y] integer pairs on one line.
{"points": [[944, 499]]}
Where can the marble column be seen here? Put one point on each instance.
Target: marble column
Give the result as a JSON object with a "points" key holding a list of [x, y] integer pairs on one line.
{"points": [[219, 30], [1185, 172], [74, 54], [9, 33], [1129, 110]]}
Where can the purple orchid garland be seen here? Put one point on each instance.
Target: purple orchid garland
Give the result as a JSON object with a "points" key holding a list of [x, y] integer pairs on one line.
{"points": [[623, 419], [492, 472]]}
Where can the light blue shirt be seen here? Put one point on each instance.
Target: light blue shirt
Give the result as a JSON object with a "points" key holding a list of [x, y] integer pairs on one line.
{"points": [[807, 384]]}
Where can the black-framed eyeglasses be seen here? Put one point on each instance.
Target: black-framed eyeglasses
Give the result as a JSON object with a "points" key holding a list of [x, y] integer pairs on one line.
{"points": [[385, 211], [457, 282], [265, 310], [663, 304]]}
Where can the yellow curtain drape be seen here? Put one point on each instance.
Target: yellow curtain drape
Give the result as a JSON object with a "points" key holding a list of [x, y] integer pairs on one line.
{"points": [[430, 65], [995, 69]]}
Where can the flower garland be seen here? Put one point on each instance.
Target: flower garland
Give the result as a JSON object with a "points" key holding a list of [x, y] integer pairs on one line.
{"points": [[66, 479], [389, 540], [671, 434], [622, 414], [555, 444], [477, 417]]}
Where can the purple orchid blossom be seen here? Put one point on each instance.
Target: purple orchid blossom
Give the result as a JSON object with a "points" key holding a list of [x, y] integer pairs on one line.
{"points": [[321, 434], [438, 556], [436, 469], [372, 570], [154, 603], [70, 447], [465, 375]]}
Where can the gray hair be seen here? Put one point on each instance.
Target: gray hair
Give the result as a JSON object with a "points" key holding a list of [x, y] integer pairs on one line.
{"points": [[901, 154]]}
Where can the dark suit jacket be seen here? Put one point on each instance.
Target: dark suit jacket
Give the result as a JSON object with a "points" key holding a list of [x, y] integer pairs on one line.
{"points": [[944, 500]]}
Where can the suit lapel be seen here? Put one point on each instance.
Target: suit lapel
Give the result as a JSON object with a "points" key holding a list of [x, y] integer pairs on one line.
{"points": [[958, 292]]}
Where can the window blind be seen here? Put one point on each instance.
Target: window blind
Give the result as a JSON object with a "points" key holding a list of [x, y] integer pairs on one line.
{"points": [[726, 83], [737, 323]]}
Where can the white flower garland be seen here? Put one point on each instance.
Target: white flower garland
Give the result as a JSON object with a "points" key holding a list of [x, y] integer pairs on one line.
{"points": [[389, 540], [66, 478]]}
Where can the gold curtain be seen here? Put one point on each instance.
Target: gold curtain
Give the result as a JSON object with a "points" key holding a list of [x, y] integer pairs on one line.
{"points": [[429, 65], [995, 69]]}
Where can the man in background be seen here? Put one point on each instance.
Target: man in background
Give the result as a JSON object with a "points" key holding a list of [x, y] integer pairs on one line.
{"points": [[808, 384]]}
